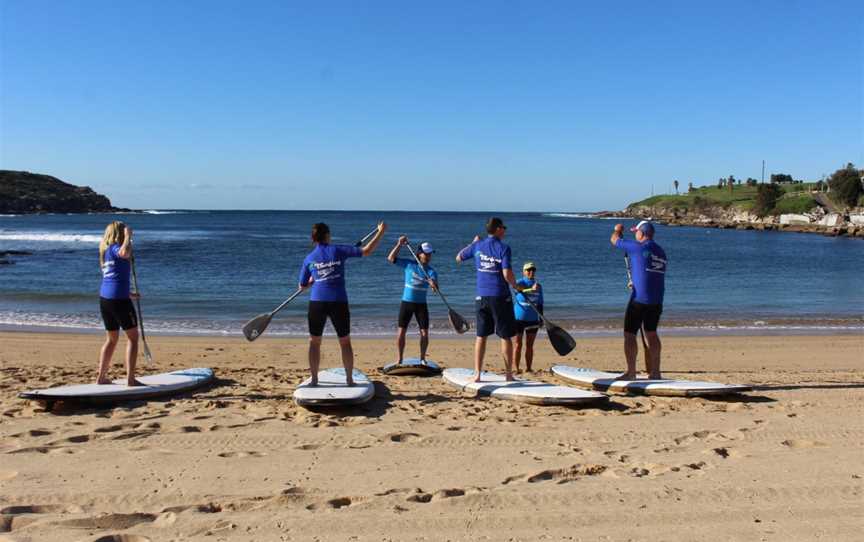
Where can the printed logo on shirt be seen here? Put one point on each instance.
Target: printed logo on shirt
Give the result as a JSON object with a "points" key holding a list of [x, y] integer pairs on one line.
{"points": [[326, 270], [488, 264], [654, 263]]}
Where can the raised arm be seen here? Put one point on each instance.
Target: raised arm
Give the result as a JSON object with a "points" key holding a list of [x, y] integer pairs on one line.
{"points": [[373, 243], [464, 251], [617, 233], [125, 251], [403, 240]]}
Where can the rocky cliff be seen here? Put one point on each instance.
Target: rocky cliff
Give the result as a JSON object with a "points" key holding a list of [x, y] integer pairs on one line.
{"points": [[22, 192]]}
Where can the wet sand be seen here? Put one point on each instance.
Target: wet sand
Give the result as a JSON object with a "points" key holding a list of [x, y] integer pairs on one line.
{"points": [[421, 461]]}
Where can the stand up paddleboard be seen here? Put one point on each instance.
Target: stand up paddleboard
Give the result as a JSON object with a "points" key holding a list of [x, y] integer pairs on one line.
{"points": [[412, 366], [155, 386], [333, 391], [526, 391], [608, 382]]}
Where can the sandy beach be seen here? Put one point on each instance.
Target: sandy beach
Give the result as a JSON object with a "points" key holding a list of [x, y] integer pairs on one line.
{"points": [[239, 461]]}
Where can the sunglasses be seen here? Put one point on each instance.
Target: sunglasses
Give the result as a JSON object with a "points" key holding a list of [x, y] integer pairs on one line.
{"points": [[530, 270]]}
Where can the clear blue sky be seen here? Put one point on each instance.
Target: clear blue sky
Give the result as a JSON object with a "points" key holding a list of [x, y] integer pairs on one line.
{"points": [[435, 105]]}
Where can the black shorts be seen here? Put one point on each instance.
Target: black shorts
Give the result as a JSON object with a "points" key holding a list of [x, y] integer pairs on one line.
{"points": [[495, 315], [407, 310], [527, 327], [117, 313], [338, 313], [641, 315]]}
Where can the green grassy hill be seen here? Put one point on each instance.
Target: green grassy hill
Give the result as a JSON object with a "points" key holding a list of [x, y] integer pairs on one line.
{"points": [[796, 199]]}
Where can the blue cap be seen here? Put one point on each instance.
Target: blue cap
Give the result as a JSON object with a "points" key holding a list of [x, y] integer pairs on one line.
{"points": [[645, 227]]}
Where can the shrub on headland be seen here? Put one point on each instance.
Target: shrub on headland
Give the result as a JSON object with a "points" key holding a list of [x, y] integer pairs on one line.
{"points": [[766, 199], [846, 185]]}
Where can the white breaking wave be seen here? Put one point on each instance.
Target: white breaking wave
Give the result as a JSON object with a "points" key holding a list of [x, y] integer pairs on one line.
{"points": [[157, 212], [569, 215], [54, 237]]}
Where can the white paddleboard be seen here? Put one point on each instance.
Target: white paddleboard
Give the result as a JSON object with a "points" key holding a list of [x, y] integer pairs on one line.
{"points": [[526, 391], [412, 366], [333, 391], [603, 381], [159, 385]]}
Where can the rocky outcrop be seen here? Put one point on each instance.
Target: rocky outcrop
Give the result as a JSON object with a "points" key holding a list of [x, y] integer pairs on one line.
{"points": [[732, 218], [22, 192]]}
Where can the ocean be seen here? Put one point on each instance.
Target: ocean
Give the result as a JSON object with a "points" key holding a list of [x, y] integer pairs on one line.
{"points": [[208, 272]]}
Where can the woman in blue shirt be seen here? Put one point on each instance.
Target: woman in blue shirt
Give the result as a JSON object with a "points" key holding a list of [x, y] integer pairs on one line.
{"points": [[417, 283], [324, 271], [115, 300], [527, 320]]}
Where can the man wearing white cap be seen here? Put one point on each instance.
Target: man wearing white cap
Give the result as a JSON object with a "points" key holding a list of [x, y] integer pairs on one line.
{"points": [[417, 282], [646, 301]]}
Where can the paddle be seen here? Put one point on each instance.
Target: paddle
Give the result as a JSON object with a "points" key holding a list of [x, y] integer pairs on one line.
{"points": [[459, 324], [147, 355], [561, 341], [365, 238], [630, 286], [256, 326]]}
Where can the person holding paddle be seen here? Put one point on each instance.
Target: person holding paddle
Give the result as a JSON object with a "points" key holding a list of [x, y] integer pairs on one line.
{"points": [[493, 304], [646, 301], [417, 282], [115, 300], [324, 271], [527, 319]]}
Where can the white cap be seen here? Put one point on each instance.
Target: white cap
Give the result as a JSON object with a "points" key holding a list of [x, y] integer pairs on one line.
{"points": [[426, 248]]}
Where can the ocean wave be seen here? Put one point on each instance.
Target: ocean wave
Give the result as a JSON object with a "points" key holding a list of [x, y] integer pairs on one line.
{"points": [[158, 212], [54, 237], [584, 215]]}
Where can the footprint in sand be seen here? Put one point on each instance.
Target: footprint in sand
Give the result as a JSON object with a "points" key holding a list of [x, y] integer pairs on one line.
{"points": [[108, 521], [803, 443], [307, 447], [231, 455], [41, 509], [123, 538], [402, 437]]}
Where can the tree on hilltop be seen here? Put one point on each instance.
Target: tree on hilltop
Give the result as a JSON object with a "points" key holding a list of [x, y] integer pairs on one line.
{"points": [[846, 185]]}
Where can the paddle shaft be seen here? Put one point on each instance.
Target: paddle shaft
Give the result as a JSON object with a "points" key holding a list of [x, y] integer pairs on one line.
{"points": [[147, 354], [540, 314], [365, 238], [416, 259], [630, 286], [284, 303]]}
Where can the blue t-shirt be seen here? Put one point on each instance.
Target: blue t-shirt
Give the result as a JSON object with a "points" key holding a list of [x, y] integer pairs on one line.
{"points": [[521, 308], [648, 267], [326, 264], [491, 257], [115, 274], [416, 286]]}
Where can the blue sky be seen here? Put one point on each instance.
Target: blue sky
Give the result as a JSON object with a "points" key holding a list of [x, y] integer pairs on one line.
{"points": [[439, 105]]}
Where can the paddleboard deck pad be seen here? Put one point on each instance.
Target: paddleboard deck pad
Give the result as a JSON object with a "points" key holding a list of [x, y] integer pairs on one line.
{"points": [[332, 389], [155, 386], [608, 382], [526, 391], [412, 366]]}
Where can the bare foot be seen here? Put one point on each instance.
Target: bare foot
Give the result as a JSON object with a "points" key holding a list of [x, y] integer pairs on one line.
{"points": [[134, 382], [529, 369], [627, 376], [509, 377], [313, 383], [103, 381], [351, 383], [656, 376], [477, 378], [518, 371]]}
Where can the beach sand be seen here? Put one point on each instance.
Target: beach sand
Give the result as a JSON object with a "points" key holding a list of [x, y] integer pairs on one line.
{"points": [[239, 461]]}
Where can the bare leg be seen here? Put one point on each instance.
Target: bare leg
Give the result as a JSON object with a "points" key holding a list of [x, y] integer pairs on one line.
{"points": [[529, 350], [517, 351], [347, 358], [314, 358], [479, 353], [654, 347], [131, 356], [105, 356], [507, 352], [424, 343], [400, 342], [631, 349]]}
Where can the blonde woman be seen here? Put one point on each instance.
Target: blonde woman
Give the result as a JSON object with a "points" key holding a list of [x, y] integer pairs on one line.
{"points": [[115, 300]]}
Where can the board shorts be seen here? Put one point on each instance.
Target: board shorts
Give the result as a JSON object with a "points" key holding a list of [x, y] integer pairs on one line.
{"points": [[338, 313], [640, 315], [118, 313], [495, 315], [527, 327], [420, 311]]}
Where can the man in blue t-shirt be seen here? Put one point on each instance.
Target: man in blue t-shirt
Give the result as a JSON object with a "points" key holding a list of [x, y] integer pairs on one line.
{"points": [[527, 319], [417, 282], [324, 271], [648, 261], [493, 304]]}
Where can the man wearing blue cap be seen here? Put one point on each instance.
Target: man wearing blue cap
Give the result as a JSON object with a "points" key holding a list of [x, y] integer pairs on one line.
{"points": [[646, 302]]}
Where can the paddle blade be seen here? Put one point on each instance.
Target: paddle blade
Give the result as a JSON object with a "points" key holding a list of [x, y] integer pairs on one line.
{"points": [[459, 324], [561, 341], [147, 355], [256, 326]]}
